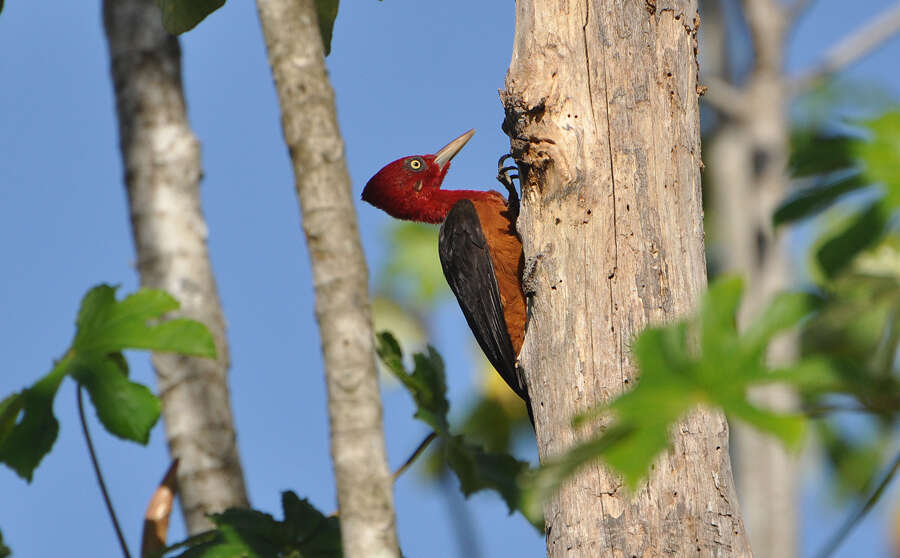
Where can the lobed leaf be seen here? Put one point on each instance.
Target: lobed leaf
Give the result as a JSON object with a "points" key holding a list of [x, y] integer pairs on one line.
{"points": [[126, 409], [31, 438], [427, 383], [305, 532], [106, 326]]}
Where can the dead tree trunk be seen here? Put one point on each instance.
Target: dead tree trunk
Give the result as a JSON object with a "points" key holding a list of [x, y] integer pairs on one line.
{"points": [[162, 164], [602, 110]]}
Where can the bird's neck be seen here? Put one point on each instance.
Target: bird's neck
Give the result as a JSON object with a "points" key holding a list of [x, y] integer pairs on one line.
{"points": [[440, 202]]}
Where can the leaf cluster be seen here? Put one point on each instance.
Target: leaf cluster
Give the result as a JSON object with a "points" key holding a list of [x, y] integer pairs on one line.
{"points": [[865, 162], [303, 533], [104, 328], [701, 361], [475, 468]]}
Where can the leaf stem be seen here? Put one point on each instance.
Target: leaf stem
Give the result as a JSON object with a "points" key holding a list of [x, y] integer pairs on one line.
{"points": [[418, 451], [96, 464], [860, 511]]}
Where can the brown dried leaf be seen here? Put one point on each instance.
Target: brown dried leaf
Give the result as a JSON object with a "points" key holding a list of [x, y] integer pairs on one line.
{"points": [[156, 518]]}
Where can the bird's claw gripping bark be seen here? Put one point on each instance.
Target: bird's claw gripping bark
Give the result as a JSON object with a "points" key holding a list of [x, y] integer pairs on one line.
{"points": [[507, 179]]}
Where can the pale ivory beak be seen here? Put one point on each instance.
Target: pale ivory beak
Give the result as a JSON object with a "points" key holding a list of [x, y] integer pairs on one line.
{"points": [[450, 150]]}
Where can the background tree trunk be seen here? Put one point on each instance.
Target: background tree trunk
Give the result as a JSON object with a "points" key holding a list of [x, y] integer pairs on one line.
{"points": [[340, 276], [161, 157], [601, 101], [749, 171]]}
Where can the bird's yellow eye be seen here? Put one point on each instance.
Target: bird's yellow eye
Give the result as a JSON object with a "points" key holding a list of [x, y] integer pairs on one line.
{"points": [[415, 164]]}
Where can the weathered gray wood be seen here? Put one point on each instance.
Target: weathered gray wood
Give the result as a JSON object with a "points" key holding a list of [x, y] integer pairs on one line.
{"points": [[340, 276], [601, 100], [163, 169]]}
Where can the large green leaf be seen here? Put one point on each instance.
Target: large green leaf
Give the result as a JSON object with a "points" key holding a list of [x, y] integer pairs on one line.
{"points": [[675, 378], [179, 16], [813, 152], [106, 325]]}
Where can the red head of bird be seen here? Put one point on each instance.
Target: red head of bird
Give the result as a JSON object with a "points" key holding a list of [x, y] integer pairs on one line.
{"points": [[410, 188]]}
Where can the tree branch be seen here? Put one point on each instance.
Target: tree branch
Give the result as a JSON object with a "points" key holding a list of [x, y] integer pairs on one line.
{"points": [[723, 97], [340, 276], [861, 42]]}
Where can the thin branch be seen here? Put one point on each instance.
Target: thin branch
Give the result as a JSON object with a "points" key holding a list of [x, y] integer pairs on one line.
{"points": [[861, 42], [723, 96], [861, 511], [415, 454], [797, 9], [96, 464]]}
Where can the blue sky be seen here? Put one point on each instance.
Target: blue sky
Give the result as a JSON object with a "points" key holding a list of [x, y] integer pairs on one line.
{"points": [[408, 76]]}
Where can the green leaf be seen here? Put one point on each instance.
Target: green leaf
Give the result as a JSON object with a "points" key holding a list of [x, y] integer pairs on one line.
{"points": [[813, 152], [783, 312], [31, 438], [179, 16], [475, 468], [860, 233], [106, 326], [315, 535], [674, 380], [127, 409], [480, 470], [9, 412], [4, 550], [427, 383], [326, 10], [881, 155], [305, 532], [814, 199]]}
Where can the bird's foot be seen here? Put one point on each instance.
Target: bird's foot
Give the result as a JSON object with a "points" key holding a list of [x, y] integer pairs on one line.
{"points": [[505, 177]]}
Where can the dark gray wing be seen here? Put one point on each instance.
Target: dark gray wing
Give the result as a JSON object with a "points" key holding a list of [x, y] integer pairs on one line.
{"points": [[470, 272]]}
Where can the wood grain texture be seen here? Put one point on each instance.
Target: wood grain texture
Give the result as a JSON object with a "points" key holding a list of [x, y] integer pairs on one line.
{"points": [[162, 162], [602, 110], [340, 277]]}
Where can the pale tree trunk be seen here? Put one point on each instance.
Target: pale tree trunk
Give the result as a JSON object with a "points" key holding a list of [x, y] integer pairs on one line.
{"points": [[601, 101], [748, 166], [340, 276], [162, 174]]}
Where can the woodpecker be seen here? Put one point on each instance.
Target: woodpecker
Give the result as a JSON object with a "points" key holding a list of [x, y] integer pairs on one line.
{"points": [[479, 248]]}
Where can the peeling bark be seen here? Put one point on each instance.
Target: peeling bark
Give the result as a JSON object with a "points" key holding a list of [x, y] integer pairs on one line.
{"points": [[602, 111], [340, 276], [162, 175]]}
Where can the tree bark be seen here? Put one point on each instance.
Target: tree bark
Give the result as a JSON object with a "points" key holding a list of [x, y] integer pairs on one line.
{"points": [[340, 277], [162, 175], [602, 111]]}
